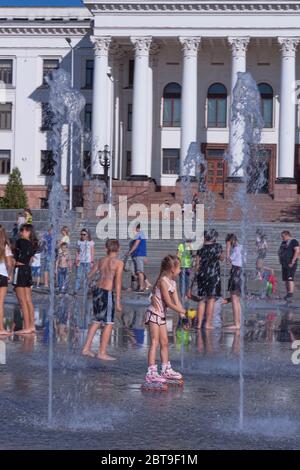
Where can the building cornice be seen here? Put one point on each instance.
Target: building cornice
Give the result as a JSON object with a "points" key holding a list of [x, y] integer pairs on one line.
{"points": [[215, 7], [43, 30]]}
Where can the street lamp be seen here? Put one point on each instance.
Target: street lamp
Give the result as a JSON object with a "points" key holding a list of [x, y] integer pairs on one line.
{"points": [[105, 162], [68, 40]]}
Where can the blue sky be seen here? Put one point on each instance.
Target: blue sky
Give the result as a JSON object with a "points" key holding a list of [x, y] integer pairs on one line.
{"points": [[42, 3]]}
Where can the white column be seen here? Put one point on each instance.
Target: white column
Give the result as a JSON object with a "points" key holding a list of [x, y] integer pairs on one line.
{"points": [[287, 120], [189, 95], [238, 48], [100, 100], [152, 63], [140, 109]]}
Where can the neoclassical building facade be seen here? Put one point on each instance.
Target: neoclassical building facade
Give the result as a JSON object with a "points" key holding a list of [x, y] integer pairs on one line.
{"points": [[156, 76]]}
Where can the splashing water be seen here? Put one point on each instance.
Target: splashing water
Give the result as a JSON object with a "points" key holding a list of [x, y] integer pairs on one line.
{"points": [[248, 122], [195, 162], [66, 104]]}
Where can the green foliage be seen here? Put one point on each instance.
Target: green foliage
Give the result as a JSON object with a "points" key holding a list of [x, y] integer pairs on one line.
{"points": [[14, 195]]}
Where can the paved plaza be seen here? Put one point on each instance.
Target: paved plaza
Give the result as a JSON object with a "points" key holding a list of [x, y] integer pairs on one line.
{"points": [[99, 405]]}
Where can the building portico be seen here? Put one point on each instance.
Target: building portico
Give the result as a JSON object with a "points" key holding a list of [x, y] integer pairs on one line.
{"points": [[159, 75]]}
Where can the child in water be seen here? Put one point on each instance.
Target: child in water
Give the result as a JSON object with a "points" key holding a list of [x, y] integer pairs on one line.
{"points": [[110, 269], [164, 296]]}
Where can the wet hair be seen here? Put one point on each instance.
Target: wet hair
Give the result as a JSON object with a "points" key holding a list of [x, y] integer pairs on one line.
{"points": [[168, 263], [88, 233], [260, 233], [286, 232], [112, 246], [210, 235], [4, 241], [32, 237], [138, 227], [231, 237]]}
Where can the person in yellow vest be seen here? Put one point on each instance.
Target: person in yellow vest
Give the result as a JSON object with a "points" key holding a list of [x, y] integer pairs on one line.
{"points": [[185, 255]]}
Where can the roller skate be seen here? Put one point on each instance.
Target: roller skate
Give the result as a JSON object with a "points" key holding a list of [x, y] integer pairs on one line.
{"points": [[154, 382], [172, 377]]}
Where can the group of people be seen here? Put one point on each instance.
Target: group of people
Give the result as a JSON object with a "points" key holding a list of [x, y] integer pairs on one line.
{"points": [[21, 260], [19, 263]]}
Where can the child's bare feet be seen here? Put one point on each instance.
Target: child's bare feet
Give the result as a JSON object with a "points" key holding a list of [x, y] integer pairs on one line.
{"points": [[5, 333], [105, 357], [88, 353]]}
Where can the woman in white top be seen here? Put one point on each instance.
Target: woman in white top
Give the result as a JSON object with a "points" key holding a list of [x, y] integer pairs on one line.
{"points": [[236, 283], [6, 266]]}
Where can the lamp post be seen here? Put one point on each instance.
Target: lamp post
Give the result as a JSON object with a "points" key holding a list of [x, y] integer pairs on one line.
{"points": [[105, 162], [71, 130]]}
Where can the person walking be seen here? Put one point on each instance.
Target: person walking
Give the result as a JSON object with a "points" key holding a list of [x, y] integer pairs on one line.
{"points": [[84, 258], [288, 253], [138, 252]]}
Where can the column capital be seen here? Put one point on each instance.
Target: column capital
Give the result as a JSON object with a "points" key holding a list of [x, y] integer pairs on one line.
{"points": [[238, 45], [288, 46], [190, 45], [101, 45], [141, 44]]}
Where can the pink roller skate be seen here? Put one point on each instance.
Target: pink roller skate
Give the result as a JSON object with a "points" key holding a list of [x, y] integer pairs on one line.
{"points": [[171, 376], [154, 381]]}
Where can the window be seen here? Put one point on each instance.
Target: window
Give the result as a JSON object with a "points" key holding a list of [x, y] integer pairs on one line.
{"points": [[48, 66], [88, 117], [87, 162], [266, 94], [47, 117], [47, 163], [89, 73], [128, 163], [131, 73], [5, 116], [217, 105], [6, 71], [171, 161], [4, 162], [172, 105], [129, 117]]}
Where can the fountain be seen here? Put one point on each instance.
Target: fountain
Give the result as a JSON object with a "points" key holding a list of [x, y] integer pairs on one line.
{"points": [[246, 114], [66, 105]]}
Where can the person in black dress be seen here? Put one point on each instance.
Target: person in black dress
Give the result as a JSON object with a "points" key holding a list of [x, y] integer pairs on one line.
{"points": [[24, 251], [208, 277]]}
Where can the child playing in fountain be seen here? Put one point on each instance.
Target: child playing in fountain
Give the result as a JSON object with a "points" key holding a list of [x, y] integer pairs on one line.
{"points": [[110, 270], [164, 296], [236, 283]]}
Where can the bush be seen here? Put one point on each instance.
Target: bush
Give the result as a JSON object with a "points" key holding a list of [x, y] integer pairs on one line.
{"points": [[14, 194]]}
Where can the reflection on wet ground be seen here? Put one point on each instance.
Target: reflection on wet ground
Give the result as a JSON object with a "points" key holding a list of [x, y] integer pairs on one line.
{"points": [[100, 405]]}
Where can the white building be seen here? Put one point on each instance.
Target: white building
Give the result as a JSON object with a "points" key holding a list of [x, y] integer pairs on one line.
{"points": [[156, 75]]}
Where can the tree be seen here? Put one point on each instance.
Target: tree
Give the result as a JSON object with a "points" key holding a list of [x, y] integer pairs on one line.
{"points": [[14, 194]]}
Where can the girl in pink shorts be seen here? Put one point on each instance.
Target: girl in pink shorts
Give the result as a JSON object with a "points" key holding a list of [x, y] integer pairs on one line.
{"points": [[164, 296]]}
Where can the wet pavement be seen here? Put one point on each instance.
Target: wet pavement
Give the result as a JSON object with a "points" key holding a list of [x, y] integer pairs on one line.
{"points": [[99, 405]]}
